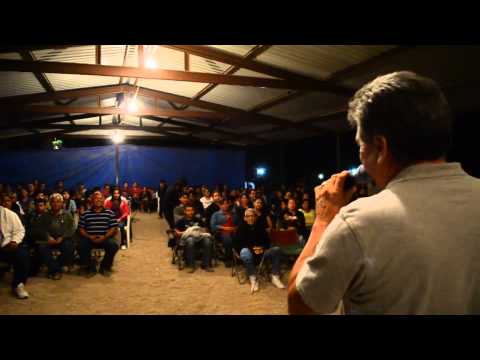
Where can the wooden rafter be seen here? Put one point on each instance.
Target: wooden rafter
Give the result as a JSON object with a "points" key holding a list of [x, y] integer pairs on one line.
{"points": [[113, 111], [236, 60], [63, 94], [135, 72]]}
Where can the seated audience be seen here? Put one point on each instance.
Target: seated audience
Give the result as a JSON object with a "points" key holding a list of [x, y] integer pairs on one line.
{"points": [[294, 219], [192, 233], [243, 204], [207, 199], [11, 235], [309, 215], [223, 225], [37, 224], [59, 237], [252, 242], [97, 228], [262, 215], [69, 204], [119, 206], [25, 202], [136, 193], [179, 211], [213, 208]]}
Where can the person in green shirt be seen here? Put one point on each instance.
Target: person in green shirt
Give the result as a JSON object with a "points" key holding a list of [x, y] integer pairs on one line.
{"points": [[59, 237]]}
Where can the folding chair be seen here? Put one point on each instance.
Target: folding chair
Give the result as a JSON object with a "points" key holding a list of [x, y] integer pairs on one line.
{"points": [[236, 267], [128, 230]]}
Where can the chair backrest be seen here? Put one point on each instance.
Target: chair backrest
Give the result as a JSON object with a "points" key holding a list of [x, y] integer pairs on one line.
{"points": [[284, 237]]}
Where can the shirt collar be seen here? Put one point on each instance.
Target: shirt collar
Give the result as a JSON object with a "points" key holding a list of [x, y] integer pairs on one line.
{"points": [[427, 170]]}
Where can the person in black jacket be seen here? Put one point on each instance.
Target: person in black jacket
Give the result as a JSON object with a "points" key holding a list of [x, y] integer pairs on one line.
{"points": [[292, 218], [213, 208], [251, 242]]}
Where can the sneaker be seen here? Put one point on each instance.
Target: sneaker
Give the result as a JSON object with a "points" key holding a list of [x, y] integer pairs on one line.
{"points": [[124, 247], [20, 291], [65, 269], [55, 276], [277, 282], [106, 272], [253, 284], [191, 270]]}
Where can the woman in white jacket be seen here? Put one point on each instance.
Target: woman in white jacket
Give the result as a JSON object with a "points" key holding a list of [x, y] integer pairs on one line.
{"points": [[11, 235]]}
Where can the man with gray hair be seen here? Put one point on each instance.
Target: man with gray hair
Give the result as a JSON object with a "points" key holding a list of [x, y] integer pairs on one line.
{"points": [[414, 247]]}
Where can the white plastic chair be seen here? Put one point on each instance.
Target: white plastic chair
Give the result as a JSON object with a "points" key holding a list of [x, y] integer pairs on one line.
{"points": [[127, 230]]}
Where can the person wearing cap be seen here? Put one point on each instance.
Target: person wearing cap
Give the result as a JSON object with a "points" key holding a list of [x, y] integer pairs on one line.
{"points": [[414, 247]]}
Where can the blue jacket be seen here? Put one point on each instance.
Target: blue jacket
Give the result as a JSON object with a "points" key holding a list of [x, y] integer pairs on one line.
{"points": [[219, 218]]}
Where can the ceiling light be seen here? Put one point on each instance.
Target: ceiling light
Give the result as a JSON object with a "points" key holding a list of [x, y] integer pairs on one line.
{"points": [[117, 138], [150, 63], [132, 105]]}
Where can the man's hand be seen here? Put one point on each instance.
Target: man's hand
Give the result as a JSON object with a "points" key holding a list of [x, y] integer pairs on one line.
{"points": [[330, 197], [59, 240]]}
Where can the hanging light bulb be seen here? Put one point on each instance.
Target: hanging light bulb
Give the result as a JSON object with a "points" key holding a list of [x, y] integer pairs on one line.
{"points": [[132, 105], [150, 62], [117, 138]]}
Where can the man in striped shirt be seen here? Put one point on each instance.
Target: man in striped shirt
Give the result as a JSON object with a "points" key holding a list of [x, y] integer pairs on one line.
{"points": [[97, 227]]}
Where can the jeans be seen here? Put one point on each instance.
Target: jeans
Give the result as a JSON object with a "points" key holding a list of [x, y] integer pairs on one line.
{"points": [[19, 258], [227, 241], [85, 247], [274, 254], [190, 250], [65, 258]]}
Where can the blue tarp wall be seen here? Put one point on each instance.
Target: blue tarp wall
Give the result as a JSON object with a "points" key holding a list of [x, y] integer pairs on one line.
{"points": [[95, 166]]}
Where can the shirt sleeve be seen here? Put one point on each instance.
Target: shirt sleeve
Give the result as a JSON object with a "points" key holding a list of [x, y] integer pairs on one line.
{"points": [[326, 276], [113, 223], [18, 231], [81, 223]]}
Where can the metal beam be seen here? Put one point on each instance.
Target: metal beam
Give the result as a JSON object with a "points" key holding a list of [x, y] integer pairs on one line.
{"points": [[27, 56], [253, 53], [64, 94], [232, 59], [37, 122], [276, 101], [149, 129], [248, 118], [199, 128], [113, 111], [124, 71]]}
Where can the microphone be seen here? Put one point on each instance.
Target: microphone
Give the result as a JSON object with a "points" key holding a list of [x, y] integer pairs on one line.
{"points": [[357, 176]]}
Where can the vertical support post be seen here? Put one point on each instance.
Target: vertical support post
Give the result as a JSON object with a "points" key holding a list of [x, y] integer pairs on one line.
{"points": [[117, 165]]}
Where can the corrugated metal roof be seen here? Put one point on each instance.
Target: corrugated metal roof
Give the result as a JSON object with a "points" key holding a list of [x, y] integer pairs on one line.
{"points": [[319, 61], [246, 72], [71, 81], [183, 88], [308, 105], [106, 119], [235, 49], [241, 97], [125, 133], [199, 64], [10, 56], [18, 83], [114, 55], [75, 54]]}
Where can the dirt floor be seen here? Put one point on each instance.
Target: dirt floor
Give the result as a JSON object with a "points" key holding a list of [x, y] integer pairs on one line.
{"points": [[144, 282]]}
